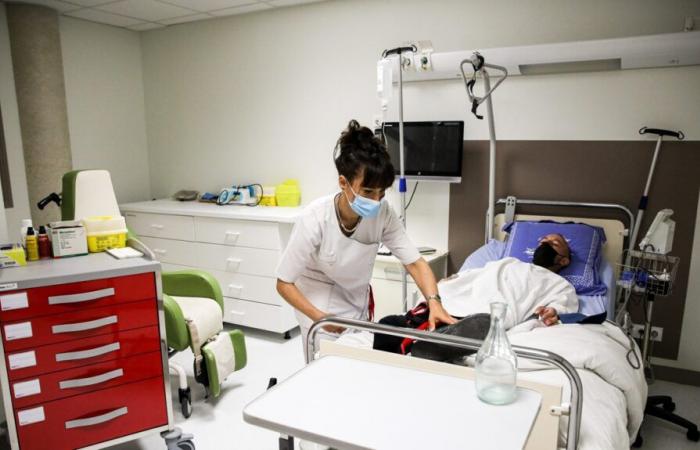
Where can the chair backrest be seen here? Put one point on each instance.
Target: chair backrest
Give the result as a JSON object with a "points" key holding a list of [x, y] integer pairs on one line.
{"points": [[88, 193]]}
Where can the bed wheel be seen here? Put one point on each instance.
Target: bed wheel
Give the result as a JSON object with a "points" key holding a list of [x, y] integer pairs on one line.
{"points": [[638, 442], [693, 435]]}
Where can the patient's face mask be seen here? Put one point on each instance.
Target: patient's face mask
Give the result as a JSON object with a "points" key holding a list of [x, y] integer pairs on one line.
{"points": [[363, 206], [545, 256]]}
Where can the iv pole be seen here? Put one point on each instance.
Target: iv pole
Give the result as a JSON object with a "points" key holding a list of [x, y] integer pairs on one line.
{"points": [[402, 176], [479, 67]]}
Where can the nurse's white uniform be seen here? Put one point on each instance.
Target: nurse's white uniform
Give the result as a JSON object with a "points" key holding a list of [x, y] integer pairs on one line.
{"points": [[332, 270]]}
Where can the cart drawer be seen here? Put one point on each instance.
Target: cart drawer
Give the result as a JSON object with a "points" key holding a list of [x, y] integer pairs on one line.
{"points": [[78, 325], [82, 352], [62, 298], [66, 383], [82, 420]]}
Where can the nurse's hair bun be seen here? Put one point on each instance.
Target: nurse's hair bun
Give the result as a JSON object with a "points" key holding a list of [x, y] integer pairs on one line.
{"points": [[360, 153]]}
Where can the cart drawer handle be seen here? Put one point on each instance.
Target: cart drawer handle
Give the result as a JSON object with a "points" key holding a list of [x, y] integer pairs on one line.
{"points": [[90, 381], [85, 354], [157, 226], [232, 234], [83, 326], [95, 420], [78, 298]]}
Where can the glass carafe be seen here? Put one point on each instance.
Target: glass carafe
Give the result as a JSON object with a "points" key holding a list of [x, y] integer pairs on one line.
{"points": [[496, 363]]}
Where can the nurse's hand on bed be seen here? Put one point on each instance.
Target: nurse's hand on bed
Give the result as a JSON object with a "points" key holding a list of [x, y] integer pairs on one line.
{"points": [[438, 315], [548, 316]]}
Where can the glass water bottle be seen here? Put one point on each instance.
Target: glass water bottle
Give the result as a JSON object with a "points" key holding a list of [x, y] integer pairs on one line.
{"points": [[496, 363]]}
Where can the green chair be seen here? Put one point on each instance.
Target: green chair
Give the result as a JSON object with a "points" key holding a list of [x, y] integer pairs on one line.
{"points": [[192, 299]]}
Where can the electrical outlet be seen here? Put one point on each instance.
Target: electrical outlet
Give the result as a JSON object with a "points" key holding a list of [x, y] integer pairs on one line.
{"points": [[657, 333]]}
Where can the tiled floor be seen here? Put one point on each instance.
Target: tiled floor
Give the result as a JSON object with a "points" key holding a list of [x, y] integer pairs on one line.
{"points": [[218, 424]]}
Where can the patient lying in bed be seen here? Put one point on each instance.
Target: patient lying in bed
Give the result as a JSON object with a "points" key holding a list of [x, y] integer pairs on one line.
{"points": [[527, 288]]}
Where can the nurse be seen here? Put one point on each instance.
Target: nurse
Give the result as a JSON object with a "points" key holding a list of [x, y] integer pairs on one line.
{"points": [[327, 264]]}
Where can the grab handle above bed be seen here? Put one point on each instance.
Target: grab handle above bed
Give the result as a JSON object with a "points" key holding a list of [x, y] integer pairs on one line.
{"points": [[468, 344]]}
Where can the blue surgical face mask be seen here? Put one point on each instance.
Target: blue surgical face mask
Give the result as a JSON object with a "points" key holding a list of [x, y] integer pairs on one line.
{"points": [[363, 206]]}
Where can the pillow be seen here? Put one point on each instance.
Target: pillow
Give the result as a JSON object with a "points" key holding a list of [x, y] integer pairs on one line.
{"points": [[485, 254], [585, 242]]}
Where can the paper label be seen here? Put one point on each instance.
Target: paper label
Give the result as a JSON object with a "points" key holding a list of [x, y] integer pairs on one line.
{"points": [[27, 388], [33, 415], [8, 286], [22, 360], [18, 331], [14, 301]]}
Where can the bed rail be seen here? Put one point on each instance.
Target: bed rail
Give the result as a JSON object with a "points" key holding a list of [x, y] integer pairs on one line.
{"points": [[511, 203], [565, 366]]}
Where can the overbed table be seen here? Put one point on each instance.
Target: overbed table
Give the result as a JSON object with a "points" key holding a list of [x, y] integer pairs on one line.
{"points": [[353, 404]]}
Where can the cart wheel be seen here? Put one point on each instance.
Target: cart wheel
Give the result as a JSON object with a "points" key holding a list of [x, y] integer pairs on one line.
{"points": [[638, 442], [185, 445], [693, 435], [186, 408], [287, 335], [669, 407], [185, 396]]}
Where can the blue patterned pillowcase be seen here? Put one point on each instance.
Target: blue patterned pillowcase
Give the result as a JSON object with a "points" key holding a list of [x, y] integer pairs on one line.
{"points": [[585, 242]]}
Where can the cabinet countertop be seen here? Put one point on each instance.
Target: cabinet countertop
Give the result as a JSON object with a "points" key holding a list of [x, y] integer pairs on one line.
{"points": [[174, 207]]}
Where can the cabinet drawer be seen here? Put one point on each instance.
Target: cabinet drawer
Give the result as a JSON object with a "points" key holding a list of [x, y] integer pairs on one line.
{"points": [[95, 417], [244, 233], [258, 315], [241, 286], [82, 352], [61, 298], [161, 225], [78, 325], [251, 261], [66, 383]]}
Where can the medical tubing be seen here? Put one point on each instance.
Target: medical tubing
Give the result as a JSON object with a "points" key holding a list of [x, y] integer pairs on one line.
{"points": [[565, 366]]}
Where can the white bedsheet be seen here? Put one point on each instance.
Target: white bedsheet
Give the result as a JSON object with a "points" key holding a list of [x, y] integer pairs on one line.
{"points": [[521, 285], [614, 393]]}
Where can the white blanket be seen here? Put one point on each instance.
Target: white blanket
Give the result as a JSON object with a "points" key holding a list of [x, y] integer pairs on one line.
{"points": [[614, 393], [522, 286]]}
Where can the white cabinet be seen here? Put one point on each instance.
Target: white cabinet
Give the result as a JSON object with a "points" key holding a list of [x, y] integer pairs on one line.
{"points": [[386, 283], [238, 245]]}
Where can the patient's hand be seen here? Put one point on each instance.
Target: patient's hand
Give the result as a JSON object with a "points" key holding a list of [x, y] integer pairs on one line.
{"points": [[548, 316]]}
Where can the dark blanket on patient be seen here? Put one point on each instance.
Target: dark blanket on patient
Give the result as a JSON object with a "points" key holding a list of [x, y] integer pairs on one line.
{"points": [[475, 326]]}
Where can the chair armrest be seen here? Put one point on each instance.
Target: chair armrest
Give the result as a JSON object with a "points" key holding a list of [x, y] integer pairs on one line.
{"points": [[176, 331], [192, 283]]}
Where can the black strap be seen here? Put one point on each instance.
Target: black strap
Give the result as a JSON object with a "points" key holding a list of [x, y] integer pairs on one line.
{"points": [[475, 102], [660, 132]]}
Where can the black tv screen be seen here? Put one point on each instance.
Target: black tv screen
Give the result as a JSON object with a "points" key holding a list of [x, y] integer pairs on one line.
{"points": [[433, 150]]}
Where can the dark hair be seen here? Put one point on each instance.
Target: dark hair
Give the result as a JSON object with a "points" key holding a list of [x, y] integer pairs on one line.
{"points": [[361, 153]]}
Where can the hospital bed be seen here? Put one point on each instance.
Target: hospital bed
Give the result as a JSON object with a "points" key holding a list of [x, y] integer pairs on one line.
{"points": [[613, 391]]}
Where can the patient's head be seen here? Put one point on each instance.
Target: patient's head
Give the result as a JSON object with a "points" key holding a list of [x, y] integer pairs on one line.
{"points": [[552, 253]]}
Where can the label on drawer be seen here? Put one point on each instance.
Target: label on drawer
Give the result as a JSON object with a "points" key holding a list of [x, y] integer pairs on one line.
{"points": [[14, 301], [33, 415], [27, 388], [22, 360], [8, 286], [18, 331]]}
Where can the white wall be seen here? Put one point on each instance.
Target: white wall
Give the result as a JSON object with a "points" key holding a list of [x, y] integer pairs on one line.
{"points": [[262, 97], [13, 135], [106, 113]]}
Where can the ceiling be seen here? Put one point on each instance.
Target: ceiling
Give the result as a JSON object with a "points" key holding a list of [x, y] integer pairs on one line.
{"points": [[142, 15]]}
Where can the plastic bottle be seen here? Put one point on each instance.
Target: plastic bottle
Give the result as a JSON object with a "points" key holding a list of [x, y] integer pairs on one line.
{"points": [[44, 243], [26, 224], [496, 363], [32, 245]]}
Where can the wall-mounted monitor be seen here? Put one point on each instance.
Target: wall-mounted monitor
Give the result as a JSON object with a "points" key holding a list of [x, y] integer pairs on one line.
{"points": [[433, 150]]}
